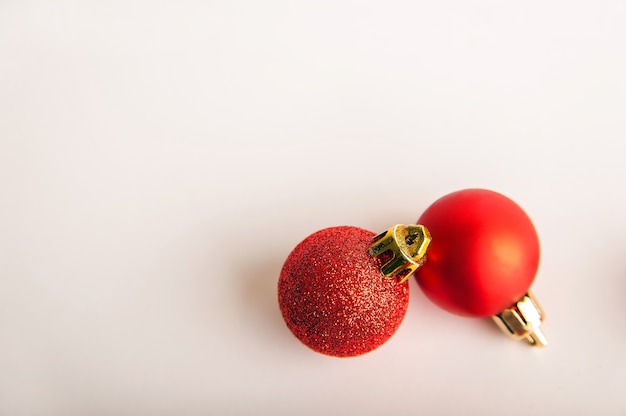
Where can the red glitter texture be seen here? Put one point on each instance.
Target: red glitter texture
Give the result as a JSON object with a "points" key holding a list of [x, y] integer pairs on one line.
{"points": [[333, 296]]}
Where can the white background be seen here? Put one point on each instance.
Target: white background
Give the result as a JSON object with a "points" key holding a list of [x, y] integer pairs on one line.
{"points": [[160, 159]]}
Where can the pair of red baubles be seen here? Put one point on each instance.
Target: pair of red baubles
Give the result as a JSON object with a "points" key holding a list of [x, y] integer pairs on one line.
{"points": [[343, 291]]}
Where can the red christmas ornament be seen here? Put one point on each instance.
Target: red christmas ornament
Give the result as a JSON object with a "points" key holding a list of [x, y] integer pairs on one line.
{"points": [[343, 292], [482, 260]]}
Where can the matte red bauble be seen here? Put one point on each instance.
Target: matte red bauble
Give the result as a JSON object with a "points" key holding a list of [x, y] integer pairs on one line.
{"points": [[482, 260]]}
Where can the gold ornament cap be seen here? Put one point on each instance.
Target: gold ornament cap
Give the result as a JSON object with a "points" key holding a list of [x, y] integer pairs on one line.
{"points": [[522, 320], [402, 248]]}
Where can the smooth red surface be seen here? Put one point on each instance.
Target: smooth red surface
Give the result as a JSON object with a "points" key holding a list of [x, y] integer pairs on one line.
{"points": [[484, 253]]}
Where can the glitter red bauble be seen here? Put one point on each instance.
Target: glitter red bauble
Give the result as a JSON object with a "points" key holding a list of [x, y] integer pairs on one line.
{"points": [[334, 297], [483, 256]]}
